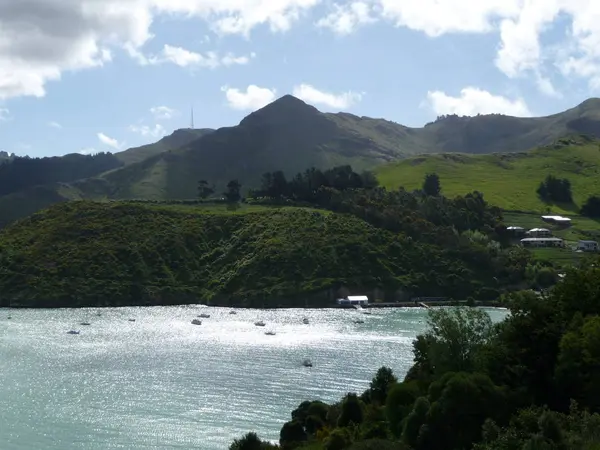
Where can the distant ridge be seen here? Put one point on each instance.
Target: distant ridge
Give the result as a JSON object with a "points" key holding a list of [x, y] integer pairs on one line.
{"points": [[291, 135]]}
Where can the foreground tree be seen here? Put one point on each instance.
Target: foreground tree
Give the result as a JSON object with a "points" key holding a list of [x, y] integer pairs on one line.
{"points": [[251, 441], [381, 384], [453, 337]]}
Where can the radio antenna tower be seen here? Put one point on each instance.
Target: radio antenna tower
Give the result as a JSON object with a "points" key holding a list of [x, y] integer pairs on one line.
{"points": [[192, 118]]}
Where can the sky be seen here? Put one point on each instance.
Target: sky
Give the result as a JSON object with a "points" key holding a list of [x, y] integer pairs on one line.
{"points": [[88, 76]]}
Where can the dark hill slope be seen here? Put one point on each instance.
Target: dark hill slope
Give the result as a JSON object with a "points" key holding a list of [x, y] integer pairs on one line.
{"points": [[178, 138], [499, 133], [286, 135], [292, 136], [87, 253]]}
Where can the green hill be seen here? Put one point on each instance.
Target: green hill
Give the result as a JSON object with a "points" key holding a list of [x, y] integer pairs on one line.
{"points": [[92, 253], [508, 180]]}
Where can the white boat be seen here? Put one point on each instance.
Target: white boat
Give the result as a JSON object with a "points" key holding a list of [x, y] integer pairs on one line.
{"points": [[260, 323], [270, 333], [196, 322], [307, 363], [72, 332], [305, 321]]}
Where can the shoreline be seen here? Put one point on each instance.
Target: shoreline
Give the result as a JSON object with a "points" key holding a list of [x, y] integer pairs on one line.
{"points": [[380, 305]]}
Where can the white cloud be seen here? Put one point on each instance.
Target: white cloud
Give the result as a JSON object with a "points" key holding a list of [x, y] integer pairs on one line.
{"points": [[240, 16], [41, 39], [186, 58], [156, 131], [314, 96], [54, 125], [111, 142], [473, 101], [88, 151], [345, 19], [4, 114], [163, 112], [252, 98]]}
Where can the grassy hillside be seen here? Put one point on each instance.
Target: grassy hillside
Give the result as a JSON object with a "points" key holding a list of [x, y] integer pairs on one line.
{"points": [[88, 253], [508, 180]]}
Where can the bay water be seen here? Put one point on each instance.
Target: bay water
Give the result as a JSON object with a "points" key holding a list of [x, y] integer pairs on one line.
{"points": [[160, 382]]}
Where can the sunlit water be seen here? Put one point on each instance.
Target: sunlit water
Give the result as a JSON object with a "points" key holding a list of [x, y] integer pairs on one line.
{"points": [[162, 383]]}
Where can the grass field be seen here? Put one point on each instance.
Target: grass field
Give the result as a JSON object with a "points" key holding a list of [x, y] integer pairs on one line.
{"points": [[508, 180]]}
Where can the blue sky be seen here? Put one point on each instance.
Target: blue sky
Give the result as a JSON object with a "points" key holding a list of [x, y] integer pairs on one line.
{"points": [[129, 71]]}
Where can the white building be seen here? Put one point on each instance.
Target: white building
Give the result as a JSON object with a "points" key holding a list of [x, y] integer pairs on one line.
{"points": [[516, 231], [558, 220], [539, 233], [587, 246], [354, 300], [542, 242]]}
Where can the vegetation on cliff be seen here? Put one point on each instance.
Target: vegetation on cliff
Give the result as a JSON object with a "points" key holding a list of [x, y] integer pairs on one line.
{"points": [[406, 244], [529, 382]]}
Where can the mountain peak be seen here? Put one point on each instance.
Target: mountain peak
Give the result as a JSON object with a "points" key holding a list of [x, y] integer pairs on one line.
{"points": [[590, 103], [284, 109]]}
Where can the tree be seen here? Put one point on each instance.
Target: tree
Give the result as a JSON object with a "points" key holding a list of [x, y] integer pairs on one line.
{"points": [[381, 384], [352, 411], [591, 207], [454, 336], [232, 194], [431, 185], [292, 433], [251, 441], [554, 189], [204, 190]]}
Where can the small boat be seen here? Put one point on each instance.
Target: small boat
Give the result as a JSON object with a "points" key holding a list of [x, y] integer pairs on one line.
{"points": [[85, 323], [72, 332], [131, 320], [204, 316], [367, 312], [260, 323], [359, 321], [305, 321], [9, 317], [98, 314], [196, 322], [232, 312], [270, 333], [307, 363]]}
